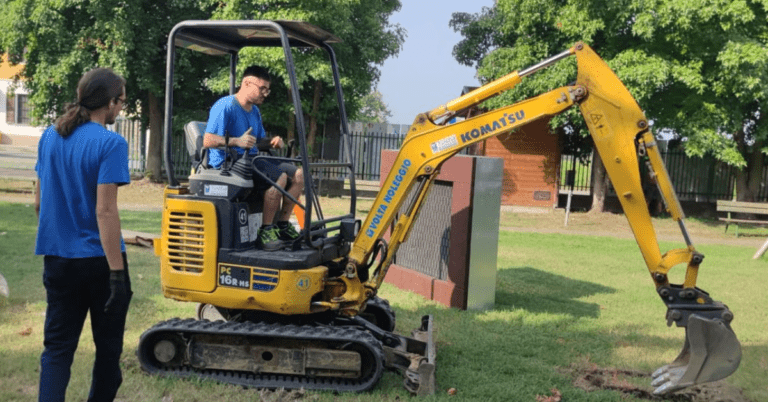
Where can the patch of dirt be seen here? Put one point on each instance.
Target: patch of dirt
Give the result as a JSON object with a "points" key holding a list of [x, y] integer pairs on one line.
{"points": [[143, 195], [593, 378]]}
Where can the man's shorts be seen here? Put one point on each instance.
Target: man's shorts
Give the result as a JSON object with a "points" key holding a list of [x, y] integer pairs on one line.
{"points": [[273, 169]]}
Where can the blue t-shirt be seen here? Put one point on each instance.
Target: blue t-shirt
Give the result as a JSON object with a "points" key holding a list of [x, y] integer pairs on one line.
{"points": [[70, 169], [227, 116]]}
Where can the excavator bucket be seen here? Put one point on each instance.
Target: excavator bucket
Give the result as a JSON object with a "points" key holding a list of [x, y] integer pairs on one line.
{"points": [[711, 352]]}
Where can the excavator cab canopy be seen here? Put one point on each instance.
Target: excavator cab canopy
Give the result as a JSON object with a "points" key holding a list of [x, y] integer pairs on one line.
{"points": [[222, 38]]}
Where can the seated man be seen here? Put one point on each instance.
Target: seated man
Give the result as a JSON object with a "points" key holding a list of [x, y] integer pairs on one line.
{"points": [[239, 116]]}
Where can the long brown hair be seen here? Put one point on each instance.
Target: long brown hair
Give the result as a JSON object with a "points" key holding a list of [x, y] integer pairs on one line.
{"points": [[94, 91]]}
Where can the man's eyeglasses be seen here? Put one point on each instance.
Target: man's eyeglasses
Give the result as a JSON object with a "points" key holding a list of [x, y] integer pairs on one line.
{"points": [[262, 88]]}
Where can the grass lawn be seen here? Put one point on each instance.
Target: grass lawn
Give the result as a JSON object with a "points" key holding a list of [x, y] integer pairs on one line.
{"points": [[566, 305]]}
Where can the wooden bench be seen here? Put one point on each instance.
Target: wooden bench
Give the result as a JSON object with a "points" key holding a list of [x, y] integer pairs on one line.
{"points": [[753, 208]]}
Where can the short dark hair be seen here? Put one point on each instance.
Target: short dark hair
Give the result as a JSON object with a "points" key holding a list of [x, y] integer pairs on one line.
{"points": [[258, 72]]}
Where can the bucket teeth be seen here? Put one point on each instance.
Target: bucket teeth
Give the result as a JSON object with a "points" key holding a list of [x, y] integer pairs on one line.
{"points": [[711, 352]]}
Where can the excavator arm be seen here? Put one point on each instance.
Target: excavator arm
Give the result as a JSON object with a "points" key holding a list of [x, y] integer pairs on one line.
{"points": [[623, 140]]}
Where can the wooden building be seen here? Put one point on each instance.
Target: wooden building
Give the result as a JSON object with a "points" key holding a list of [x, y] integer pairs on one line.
{"points": [[531, 162]]}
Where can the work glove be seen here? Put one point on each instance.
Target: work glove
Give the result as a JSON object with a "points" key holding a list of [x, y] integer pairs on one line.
{"points": [[119, 296]]}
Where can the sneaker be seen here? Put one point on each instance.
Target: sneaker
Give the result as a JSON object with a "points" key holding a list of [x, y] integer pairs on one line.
{"points": [[268, 238], [287, 232]]}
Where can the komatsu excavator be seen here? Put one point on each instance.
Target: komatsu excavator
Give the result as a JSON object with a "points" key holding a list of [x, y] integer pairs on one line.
{"points": [[308, 315]]}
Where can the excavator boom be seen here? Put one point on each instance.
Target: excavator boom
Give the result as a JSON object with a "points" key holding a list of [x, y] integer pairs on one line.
{"points": [[623, 140]]}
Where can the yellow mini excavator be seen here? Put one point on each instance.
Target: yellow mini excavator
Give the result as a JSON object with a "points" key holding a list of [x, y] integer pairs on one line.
{"points": [[308, 315]]}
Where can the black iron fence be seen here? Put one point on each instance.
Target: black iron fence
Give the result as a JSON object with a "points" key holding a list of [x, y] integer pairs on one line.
{"points": [[695, 179], [367, 142], [700, 179]]}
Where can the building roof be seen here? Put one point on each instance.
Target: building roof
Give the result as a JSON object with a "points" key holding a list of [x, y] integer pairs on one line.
{"points": [[7, 71]]}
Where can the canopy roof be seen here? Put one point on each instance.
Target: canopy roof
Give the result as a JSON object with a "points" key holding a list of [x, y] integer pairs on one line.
{"points": [[223, 37]]}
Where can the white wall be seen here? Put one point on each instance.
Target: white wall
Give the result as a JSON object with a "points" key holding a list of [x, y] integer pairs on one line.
{"points": [[14, 129]]}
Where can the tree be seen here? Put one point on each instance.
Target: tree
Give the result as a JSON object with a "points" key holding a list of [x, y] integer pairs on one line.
{"points": [[368, 39], [699, 69], [60, 40], [373, 109]]}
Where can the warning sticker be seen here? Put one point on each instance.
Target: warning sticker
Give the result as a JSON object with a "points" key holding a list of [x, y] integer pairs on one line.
{"points": [[215, 190], [244, 237], [443, 144]]}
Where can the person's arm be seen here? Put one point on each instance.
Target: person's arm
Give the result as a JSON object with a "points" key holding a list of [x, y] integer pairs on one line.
{"points": [[245, 141], [37, 198], [108, 219]]}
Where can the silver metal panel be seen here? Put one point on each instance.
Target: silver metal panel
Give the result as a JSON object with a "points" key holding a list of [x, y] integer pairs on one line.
{"points": [[426, 249], [484, 241]]}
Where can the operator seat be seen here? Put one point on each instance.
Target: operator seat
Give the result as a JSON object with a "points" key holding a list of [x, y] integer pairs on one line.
{"points": [[193, 134]]}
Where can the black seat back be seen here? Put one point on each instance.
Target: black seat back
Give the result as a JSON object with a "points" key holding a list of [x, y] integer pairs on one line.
{"points": [[193, 135]]}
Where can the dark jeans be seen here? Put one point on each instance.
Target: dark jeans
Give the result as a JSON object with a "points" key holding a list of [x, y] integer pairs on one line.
{"points": [[74, 287]]}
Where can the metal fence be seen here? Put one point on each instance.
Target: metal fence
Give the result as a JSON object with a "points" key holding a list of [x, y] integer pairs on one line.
{"points": [[137, 148], [367, 142], [695, 179], [137, 142], [700, 179], [582, 173]]}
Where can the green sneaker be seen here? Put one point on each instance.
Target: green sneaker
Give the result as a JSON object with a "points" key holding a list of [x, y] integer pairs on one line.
{"points": [[287, 232], [268, 238]]}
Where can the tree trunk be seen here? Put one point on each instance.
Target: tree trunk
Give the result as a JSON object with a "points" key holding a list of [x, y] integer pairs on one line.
{"points": [[749, 178], [599, 183], [313, 116], [154, 169]]}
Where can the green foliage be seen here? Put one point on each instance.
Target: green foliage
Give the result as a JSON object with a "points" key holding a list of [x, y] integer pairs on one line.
{"points": [[60, 40], [698, 68], [368, 39], [373, 109]]}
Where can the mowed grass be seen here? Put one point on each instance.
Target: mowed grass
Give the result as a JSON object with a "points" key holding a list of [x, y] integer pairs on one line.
{"points": [[562, 300]]}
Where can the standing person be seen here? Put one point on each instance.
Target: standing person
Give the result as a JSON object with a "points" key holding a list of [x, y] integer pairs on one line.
{"points": [[239, 116], [80, 165]]}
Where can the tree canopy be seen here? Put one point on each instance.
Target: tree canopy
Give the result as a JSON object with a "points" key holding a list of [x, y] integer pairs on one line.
{"points": [[373, 109], [699, 69], [368, 39], [59, 40]]}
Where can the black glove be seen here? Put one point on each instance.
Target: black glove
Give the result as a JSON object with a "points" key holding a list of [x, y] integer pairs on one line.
{"points": [[119, 296]]}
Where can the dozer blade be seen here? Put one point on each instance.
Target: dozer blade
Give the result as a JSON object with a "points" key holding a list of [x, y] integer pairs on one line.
{"points": [[426, 364], [413, 357], [711, 352]]}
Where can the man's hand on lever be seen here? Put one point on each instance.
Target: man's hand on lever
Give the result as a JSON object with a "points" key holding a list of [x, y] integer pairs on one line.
{"points": [[276, 142], [245, 141]]}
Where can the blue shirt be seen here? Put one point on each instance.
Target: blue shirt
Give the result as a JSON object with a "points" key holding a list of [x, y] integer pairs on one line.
{"points": [[227, 116], [69, 170]]}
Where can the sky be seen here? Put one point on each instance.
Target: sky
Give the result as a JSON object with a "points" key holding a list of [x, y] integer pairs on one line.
{"points": [[425, 75]]}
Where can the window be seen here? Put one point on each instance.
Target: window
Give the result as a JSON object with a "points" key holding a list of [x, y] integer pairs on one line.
{"points": [[17, 110], [10, 108], [22, 110]]}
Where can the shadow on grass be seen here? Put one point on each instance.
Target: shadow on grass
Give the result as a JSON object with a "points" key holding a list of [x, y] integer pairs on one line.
{"points": [[543, 292]]}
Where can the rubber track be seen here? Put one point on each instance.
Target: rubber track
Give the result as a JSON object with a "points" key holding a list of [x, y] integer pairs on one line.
{"points": [[334, 335]]}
